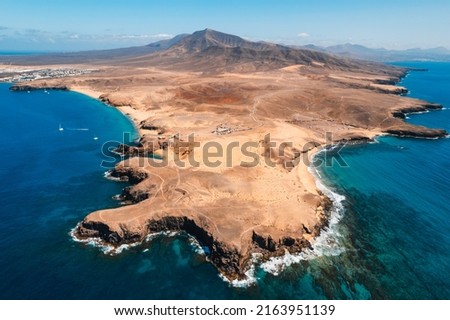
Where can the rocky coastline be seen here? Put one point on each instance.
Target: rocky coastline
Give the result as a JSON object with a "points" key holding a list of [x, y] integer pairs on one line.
{"points": [[26, 87], [424, 133], [236, 211], [409, 131], [231, 263], [403, 113]]}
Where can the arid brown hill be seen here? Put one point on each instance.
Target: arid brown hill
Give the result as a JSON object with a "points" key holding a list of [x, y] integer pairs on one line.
{"points": [[213, 51], [225, 91], [209, 51]]}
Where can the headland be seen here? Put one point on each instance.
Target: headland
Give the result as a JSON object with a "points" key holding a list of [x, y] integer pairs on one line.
{"points": [[235, 125]]}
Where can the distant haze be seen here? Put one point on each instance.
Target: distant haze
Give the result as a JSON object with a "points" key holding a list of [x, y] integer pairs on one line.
{"points": [[52, 25]]}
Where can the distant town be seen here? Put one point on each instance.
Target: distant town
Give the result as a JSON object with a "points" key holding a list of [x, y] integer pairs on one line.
{"points": [[23, 75]]}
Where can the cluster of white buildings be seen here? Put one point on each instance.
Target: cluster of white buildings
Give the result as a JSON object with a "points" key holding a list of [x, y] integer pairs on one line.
{"points": [[17, 75]]}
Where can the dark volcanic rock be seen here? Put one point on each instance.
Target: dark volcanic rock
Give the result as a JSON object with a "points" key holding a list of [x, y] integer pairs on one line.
{"points": [[131, 195], [391, 82], [399, 114], [132, 151], [408, 130], [88, 229], [432, 106], [25, 87], [227, 260], [422, 108], [419, 108], [421, 132], [267, 245], [397, 90], [355, 139], [132, 175]]}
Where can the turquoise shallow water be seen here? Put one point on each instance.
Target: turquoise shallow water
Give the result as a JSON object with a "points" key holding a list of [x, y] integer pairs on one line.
{"points": [[392, 240], [397, 202]]}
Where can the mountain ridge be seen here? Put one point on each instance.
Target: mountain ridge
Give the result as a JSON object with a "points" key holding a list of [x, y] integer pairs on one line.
{"points": [[357, 51], [223, 90], [206, 51], [199, 42], [213, 51]]}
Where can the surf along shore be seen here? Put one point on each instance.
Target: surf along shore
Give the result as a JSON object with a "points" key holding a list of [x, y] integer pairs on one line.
{"points": [[234, 151]]}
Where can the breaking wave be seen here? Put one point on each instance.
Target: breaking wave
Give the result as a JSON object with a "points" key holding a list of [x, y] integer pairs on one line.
{"points": [[98, 243], [328, 243]]}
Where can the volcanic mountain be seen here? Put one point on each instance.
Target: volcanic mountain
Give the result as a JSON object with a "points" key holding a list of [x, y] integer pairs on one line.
{"points": [[268, 107], [207, 51], [210, 50]]}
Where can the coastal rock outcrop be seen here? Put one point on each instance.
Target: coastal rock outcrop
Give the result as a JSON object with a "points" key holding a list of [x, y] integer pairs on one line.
{"points": [[155, 125], [129, 174], [227, 259], [116, 100], [134, 151], [418, 132], [204, 205], [97, 229], [390, 82], [269, 247], [389, 89], [136, 192], [132, 195], [402, 113], [26, 87], [229, 94]]}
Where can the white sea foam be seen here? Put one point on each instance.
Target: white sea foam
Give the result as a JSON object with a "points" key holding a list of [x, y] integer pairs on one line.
{"points": [[99, 243], [375, 140], [250, 277], [123, 247], [248, 281], [152, 236], [196, 246], [328, 243], [113, 250], [419, 112], [108, 176], [421, 138], [330, 148], [95, 242]]}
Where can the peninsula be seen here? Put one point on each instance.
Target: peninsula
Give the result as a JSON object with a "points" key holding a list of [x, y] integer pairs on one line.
{"points": [[234, 125]]}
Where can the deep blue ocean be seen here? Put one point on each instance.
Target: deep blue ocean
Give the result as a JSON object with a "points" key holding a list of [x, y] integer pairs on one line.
{"points": [[389, 237]]}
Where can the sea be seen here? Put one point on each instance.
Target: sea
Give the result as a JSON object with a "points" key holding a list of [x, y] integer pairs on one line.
{"points": [[389, 233]]}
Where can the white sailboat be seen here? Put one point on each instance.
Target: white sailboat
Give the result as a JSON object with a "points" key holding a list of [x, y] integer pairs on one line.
{"points": [[61, 128]]}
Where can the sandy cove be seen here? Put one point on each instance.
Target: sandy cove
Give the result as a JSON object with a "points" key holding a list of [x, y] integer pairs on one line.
{"points": [[237, 208]]}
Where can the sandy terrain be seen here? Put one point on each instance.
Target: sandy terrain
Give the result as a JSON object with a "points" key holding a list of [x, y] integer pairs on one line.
{"points": [[234, 206]]}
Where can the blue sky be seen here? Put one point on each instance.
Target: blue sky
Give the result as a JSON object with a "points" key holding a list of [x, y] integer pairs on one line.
{"points": [[98, 24]]}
